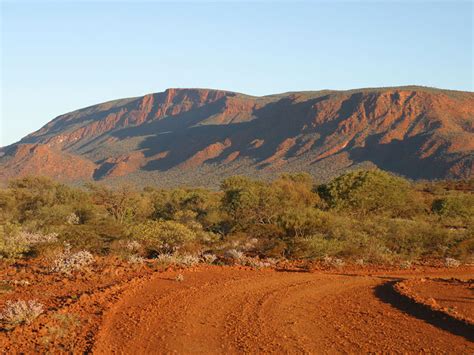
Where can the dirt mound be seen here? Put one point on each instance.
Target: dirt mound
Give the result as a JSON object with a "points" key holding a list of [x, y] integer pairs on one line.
{"points": [[453, 297]]}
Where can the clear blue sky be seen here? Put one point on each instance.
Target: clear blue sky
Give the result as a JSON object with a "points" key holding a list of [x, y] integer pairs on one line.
{"points": [[61, 56]]}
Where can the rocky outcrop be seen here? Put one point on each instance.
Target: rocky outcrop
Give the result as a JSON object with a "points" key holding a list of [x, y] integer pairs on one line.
{"points": [[211, 151], [42, 160]]}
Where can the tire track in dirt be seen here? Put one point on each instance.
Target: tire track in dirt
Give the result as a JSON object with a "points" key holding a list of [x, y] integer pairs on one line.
{"points": [[225, 310]]}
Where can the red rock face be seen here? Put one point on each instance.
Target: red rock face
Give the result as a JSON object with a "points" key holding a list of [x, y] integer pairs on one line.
{"points": [[413, 131], [211, 151], [278, 157], [39, 159], [125, 164]]}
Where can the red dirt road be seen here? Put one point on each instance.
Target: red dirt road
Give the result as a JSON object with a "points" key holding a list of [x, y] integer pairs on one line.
{"points": [[225, 310]]}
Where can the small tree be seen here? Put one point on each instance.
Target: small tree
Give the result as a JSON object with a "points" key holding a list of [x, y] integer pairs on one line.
{"points": [[302, 222], [122, 204], [162, 236], [245, 201]]}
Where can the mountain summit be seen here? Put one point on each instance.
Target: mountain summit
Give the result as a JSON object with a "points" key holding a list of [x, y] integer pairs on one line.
{"points": [[198, 136]]}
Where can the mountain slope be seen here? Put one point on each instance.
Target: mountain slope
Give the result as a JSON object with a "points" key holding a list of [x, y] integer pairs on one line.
{"points": [[197, 136]]}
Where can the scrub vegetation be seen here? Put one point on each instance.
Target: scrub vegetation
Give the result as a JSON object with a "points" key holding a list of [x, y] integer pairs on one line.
{"points": [[361, 217]]}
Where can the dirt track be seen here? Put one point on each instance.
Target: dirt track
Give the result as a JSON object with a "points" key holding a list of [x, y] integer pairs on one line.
{"points": [[224, 310]]}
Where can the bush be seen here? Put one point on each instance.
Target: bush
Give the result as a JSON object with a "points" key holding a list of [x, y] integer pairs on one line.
{"points": [[464, 249], [369, 215], [12, 247], [234, 254], [20, 312], [201, 204], [185, 260], [371, 192], [73, 218], [457, 206], [302, 222], [133, 246], [333, 262], [136, 259], [316, 247], [451, 262], [97, 237], [413, 239], [246, 201], [68, 262], [208, 258], [188, 260], [161, 237], [257, 263], [249, 202], [35, 195], [14, 244]]}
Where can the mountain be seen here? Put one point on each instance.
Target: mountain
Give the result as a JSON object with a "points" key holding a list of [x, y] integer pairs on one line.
{"points": [[199, 136]]}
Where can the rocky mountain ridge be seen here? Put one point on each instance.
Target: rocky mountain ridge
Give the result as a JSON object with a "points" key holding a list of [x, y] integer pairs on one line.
{"points": [[198, 136]]}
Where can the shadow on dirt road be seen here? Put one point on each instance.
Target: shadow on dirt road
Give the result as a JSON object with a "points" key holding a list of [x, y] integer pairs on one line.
{"points": [[387, 294]]}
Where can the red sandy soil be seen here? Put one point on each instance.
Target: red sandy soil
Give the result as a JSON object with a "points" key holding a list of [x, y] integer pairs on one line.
{"points": [[73, 305], [236, 310]]}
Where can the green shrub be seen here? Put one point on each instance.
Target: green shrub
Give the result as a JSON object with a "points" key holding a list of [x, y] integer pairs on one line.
{"points": [[68, 262], [15, 244], [302, 222], [12, 247], [125, 205], [413, 239], [34, 194], [249, 202], [456, 206], [362, 215], [95, 237], [20, 312], [315, 247], [371, 192], [162, 236]]}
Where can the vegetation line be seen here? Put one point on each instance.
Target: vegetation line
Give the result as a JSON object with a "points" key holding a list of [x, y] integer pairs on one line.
{"points": [[363, 216]]}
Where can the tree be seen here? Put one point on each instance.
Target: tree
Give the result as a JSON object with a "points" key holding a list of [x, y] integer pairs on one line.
{"points": [[295, 191], [249, 202], [123, 204]]}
